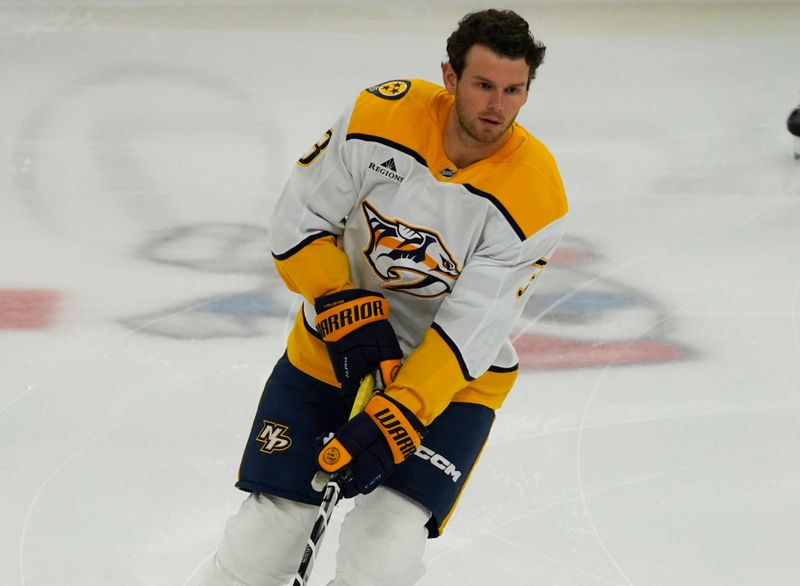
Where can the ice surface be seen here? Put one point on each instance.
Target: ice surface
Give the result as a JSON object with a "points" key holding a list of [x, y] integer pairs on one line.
{"points": [[652, 439]]}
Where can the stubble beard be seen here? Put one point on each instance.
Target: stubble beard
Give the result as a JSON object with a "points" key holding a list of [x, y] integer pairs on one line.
{"points": [[472, 128]]}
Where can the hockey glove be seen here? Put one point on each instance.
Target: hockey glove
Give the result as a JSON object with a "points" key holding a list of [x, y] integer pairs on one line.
{"points": [[355, 327], [366, 449]]}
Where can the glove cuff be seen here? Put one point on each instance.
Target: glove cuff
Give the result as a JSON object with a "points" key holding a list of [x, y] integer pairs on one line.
{"points": [[400, 428], [339, 314]]}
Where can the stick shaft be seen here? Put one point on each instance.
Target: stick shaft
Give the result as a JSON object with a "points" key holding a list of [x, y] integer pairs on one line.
{"points": [[330, 497]]}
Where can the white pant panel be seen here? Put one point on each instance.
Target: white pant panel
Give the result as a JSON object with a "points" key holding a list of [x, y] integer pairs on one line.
{"points": [[262, 544], [382, 541]]}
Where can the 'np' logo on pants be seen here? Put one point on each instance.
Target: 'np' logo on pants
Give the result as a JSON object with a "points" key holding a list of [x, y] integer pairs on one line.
{"points": [[273, 437]]}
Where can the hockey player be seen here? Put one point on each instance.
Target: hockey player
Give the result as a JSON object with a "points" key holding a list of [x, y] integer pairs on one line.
{"points": [[413, 230], [793, 124]]}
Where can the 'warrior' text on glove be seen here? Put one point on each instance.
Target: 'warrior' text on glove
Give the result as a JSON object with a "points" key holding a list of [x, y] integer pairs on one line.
{"points": [[366, 448], [355, 327]]}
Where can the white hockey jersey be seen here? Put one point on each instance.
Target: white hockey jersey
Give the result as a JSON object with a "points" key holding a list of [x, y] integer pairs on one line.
{"points": [[376, 204]]}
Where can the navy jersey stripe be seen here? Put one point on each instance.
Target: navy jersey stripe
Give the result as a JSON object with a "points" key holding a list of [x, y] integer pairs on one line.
{"points": [[504, 368], [421, 160], [303, 244], [456, 352], [390, 143], [496, 202]]}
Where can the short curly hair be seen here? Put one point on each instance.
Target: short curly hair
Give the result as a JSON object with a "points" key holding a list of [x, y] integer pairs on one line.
{"points": [[503, 31]]}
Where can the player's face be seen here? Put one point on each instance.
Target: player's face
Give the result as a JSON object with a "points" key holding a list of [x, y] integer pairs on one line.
{"points": [[489, 95]]}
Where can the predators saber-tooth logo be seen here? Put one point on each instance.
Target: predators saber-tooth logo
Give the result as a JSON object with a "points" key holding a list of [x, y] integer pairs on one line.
{"points": [[273, 437], [409, 259]]}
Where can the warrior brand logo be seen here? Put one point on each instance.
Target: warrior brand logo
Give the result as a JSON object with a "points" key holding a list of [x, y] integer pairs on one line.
{"points": [[387, 169], [350, 315], [440, 462], [331, 456], [273, 437], [409, 259], [396, 431]]}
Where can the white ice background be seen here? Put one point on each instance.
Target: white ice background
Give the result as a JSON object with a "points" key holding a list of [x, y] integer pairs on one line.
{"points": [[143, 146]]}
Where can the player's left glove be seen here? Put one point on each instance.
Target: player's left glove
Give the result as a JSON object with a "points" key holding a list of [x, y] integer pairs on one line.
{"points": [[366, 448]]}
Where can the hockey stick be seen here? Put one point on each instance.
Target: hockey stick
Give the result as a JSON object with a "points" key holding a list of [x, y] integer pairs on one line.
{"points": [[330, 496]]}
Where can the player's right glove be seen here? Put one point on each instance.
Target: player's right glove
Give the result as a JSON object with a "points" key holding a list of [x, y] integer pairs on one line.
{"points": [[355, 327], [366, 449]]}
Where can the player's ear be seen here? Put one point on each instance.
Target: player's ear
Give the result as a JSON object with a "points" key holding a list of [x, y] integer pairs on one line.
{"points": [[449, 77]]}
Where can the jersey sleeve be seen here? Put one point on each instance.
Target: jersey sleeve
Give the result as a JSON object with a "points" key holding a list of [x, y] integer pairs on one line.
{"points": [[474, 321], [310, 215]]}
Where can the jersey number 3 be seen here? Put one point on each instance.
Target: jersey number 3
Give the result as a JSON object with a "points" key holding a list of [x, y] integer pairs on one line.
{"points": [[320, 146]]}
